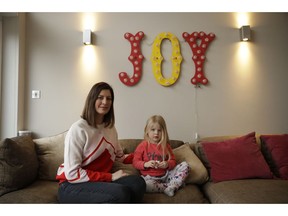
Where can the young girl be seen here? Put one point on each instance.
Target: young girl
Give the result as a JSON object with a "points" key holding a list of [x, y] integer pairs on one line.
{"points": [[155, 160]]}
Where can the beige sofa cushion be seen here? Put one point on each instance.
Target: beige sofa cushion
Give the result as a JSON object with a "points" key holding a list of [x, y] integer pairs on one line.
{"points": [[50, 152], [129, 145], [198, 173], [18, 163], [248, 191]]}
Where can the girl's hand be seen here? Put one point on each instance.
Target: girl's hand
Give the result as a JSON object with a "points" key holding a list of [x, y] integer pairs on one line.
{"points": [[151, 164], [118, 174], [163, 165]]}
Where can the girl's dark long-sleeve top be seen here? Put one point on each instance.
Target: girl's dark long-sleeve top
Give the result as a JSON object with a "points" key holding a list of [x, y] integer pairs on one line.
{"points": [[148, 151]]}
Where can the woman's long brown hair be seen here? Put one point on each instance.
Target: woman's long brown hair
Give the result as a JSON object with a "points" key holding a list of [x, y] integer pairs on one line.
{"points": [[89, 112]]}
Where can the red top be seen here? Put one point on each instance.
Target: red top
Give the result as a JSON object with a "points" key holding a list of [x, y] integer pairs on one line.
{"points": [[149, 151]]}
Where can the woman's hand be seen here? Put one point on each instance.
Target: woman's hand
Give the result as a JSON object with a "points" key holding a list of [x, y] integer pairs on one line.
{"points": [[118, 174]]}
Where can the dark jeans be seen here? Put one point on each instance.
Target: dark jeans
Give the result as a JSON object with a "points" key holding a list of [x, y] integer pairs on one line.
{"points": [[128, 189]]}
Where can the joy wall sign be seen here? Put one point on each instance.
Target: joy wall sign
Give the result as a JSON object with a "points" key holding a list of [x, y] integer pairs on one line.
{"points": [[198, 42]]}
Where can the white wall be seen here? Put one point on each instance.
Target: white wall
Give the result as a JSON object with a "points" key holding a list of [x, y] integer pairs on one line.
{"points": [[12, 73], [246, 93], [9, 76]]}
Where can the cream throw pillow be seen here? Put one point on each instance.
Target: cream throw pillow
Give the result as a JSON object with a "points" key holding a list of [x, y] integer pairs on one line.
{"points": [[50, 151], [198, 173]]}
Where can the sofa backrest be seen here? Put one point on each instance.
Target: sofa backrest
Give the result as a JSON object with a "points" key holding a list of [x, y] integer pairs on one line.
{"points": [[50, 151], [129, 145]]}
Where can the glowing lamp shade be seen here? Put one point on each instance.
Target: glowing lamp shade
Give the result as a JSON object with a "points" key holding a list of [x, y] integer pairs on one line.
{"points": [[245, 33], [87, 39]]}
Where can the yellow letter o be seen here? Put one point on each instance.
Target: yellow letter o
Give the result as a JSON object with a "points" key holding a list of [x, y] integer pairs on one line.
{"points": [[157, 58]]}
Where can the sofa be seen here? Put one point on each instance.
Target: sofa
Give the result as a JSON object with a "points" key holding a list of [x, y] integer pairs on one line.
{"points": [[28, 168], [245, 169]]}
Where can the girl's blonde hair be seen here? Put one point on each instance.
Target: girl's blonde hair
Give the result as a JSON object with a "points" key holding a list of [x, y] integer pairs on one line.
{"points": [[164, 138]]}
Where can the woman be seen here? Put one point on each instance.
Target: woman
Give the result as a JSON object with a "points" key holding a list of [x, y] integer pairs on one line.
{"points": [[91, 147]]}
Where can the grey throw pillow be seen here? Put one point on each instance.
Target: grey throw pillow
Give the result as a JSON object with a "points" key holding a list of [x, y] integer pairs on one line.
{"points": [[18, 163]]}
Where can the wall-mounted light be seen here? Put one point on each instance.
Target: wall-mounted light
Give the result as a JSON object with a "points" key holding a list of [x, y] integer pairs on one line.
{"points": [[87, 38], [245, 33]]}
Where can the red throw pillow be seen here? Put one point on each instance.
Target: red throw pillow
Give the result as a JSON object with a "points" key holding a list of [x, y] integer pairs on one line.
{"points": [[238, 158], [277, 148]]}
